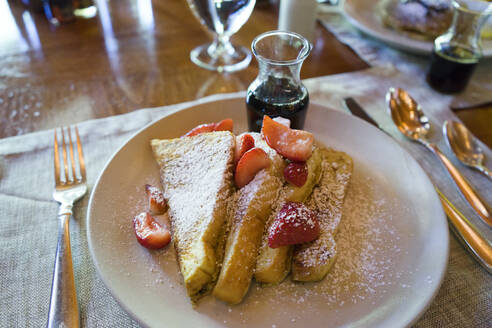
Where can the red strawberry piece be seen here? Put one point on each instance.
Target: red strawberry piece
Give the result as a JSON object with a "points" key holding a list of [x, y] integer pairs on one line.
{"points": [[224, 125], [250, 163], [209, 127], [243, 143], [157, 202], [296, 145], [282, 120], [294, 224], [296, 173], [150, 234]]}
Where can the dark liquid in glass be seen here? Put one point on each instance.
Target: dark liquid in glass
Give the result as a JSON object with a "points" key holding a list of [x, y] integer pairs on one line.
{"points": [[284, 99], [450, 70]]}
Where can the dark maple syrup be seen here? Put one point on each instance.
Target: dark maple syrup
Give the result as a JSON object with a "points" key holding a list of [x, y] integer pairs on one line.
{"points": [[277, 97], [450, 69]]}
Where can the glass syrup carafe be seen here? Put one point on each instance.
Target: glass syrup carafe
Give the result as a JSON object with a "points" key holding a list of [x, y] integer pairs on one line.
{"points": [[456, 53], [278, 90]]}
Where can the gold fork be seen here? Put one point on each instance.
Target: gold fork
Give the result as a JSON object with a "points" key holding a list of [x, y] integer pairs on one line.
{"points": [[70, 186]]}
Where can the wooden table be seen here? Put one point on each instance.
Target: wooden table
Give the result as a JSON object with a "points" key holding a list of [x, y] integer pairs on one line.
{"points": [[133, 54]]}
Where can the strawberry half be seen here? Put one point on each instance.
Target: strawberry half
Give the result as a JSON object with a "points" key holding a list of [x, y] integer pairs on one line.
{"points": [[157, 202], [224, 125], [243, 143], [296, 145], [294, 224], [150, 234], [282, 120], [250, 163], [296, 173], [202, 128]]}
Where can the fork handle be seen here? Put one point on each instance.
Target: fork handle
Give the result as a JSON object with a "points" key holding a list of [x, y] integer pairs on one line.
{"points": [[64, 310], [477, 203]]}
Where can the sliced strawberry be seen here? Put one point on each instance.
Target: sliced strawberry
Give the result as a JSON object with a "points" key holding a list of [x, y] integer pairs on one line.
{"points": [[295, 145], [243, 143], [282, 120], [250, 163], [202, 128], [157, 202], [296, 173], [224, 125], [150, 234], [294, 224]]}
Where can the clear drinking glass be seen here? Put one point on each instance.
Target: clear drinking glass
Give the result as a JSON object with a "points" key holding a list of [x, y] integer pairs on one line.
{"points": [[278, 90], [223, 18]]}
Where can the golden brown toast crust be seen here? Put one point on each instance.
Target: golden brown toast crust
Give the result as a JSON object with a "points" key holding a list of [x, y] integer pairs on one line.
{"points": [[249, 209], [312, 261], [196, 175], [273, 264], [247, 224], [211, 223]]}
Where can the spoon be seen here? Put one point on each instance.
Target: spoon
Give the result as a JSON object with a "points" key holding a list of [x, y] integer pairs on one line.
{"points": [[464, 146], [412, 122]]}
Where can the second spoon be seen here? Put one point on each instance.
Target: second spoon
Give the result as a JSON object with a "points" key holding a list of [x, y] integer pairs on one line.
{"points": [[412, 122], [464, 146]]}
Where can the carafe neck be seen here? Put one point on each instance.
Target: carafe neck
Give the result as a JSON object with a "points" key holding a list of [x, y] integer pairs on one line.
{"points": [[278, 71], [464, 32]]}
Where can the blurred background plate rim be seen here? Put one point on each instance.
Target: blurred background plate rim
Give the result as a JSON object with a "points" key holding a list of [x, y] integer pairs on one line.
{"points": [[370, 25]]}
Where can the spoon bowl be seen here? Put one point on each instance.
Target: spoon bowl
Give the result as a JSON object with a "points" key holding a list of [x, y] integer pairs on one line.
{"points": [[412, 122], [464, 146], [407, 114]]}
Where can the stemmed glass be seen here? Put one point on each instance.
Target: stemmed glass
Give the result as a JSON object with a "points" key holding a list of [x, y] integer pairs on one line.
{"points": [[223, 18]]}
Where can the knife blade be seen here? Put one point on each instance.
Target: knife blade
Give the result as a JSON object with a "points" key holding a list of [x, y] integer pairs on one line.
{"points": [[358, 111], [479, 247]]}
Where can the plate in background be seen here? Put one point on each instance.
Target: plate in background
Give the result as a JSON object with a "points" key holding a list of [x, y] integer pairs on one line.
{"points": [[363, 15]]}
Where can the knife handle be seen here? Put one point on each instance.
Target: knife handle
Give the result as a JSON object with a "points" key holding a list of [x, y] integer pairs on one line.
{"points": [[477, 203], [479, 246]]}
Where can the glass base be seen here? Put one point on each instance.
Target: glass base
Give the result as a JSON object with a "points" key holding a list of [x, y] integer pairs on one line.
{"points": [[221, 57], [88, 12]]}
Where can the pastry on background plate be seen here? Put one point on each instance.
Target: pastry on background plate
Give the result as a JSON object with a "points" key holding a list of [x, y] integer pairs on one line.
{"points": [[424, 18]]}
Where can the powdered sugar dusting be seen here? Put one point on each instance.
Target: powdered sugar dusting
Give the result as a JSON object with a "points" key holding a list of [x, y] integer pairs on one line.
{"points": [[248, 197], [193, 171], [372, 246], [196, 175], [277, 160], [327, 200], [296, 215], [155, 194], [367, 269]]}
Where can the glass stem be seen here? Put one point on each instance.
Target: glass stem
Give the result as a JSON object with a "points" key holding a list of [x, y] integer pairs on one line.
{"points": [[221, 46]]}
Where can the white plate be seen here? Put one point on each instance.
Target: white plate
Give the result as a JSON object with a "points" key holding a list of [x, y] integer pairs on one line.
{"points": [[392, 243], [363, 15]]}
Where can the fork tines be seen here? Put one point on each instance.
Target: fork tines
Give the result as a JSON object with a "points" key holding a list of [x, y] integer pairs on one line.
{"points": [[73, 167]]}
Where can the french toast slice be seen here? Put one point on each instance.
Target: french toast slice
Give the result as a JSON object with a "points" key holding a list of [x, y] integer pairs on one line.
{"points": [[273, 264], [312, 261], [197, 179], [248, 211]]}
